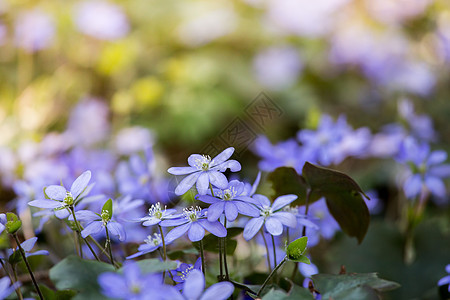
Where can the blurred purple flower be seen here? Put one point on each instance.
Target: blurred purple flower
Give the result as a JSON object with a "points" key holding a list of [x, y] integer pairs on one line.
{"points": [[230, 201], [34, 30], [445, 280], [61, 199], [101, 19], [426, 169], [3, 221], [327, 224], [132, 140], [5, 288], [250, 189], [194, 222], [278, 67], [284, 154], [421, 126], [396, 12], [27, 246], [204, 171], [271, 216], [3, 33]]}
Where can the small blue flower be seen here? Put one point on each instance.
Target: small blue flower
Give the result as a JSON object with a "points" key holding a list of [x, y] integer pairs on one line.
{"points": [[96, 223], [5, 288], [194, 289], [194, 222], [181, 273], [271, 216], [151, 243], [231, 201], [61, 199], [203, 170], [27, 246], [445, 280], [156, 214]]}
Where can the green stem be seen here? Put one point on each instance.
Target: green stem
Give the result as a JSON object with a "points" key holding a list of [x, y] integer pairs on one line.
{"points": [[202, 257], [274, 253], [22, 252], [108, 245], [18, 291], [164, 249], [101, 249], [267, 250], [220, 245], [224, 243], [79, 229], [308, 196], [271, 275]]}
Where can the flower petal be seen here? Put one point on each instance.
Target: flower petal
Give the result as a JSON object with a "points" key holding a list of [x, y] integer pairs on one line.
{"points": [[117, 230], [29, 244], [203, 183], [263, 200], [233, 165], [412, 186], [247, 209], [286, 218], [45, 203], [194, 285], [218, 179], [62, 213], [282, 201], [273, 226], [215, 211], [194, 159], [56, 192], [231, 211], [80, 184], [207, 199], [87, 215], [186, 183], [173, 222], [113, 285], [437, 157], [215, 228], [222, 156], [436, 186], [181, 170], [196, 232], [93, 228], [218, 291], [178, 231], [252, 227]]}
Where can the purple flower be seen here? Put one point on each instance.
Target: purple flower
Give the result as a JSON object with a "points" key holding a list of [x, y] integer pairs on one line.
{"points": [[61, 199], [250, 189], [96, 223], [132, 140], [426, 168], [27, 246], [3, 221], [156, 214], [445, 280], [181, 273], [150, 244], [271, 216], [102, 20], [34, 30], [203, 170], [194, 222], [231, 201], [5, 288], [133, 285], [194, 288]]}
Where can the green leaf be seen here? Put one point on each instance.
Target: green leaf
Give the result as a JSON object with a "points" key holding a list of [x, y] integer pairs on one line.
{"points": [[178, 254], [13, 223], [274, 294], [108, 209], [351, 286], [211, 242], [50, 294], [298, 292], [153, 265], [286, 181], [15, 258], [296, 248], [79, 275], [343, 197]]}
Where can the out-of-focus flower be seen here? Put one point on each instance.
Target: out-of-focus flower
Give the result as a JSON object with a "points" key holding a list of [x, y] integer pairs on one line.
{"points": [[203, 170], [327, 224], [250, 189], [151, 243], [132, 140], [395, 12], [386, 143], [5, 288], [34, 30], [445, 280], [278, 67], [230, 201], [88, 123], [206, 22], [96, 223], [426, 169], [194, 222], [134, 285], [61, 199], [101, 19], [8, 163], [194, 288], [303, 17], [3, 221], [27, 246], [271, 216], [3, 32], [284, 154], [181, 273], [421, 126]]}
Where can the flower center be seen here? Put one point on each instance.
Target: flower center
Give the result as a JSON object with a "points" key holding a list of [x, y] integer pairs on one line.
{"points": [[156, 240], [68, 200], [203, 163], [227, 194], [186, 272], [156, 211], [266, 211], [135, 289], [143, 179], [105, 216], [192, 213]]}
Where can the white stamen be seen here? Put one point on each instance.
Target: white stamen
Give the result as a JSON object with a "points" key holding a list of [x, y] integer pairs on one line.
{"points": [[192, 213]]}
